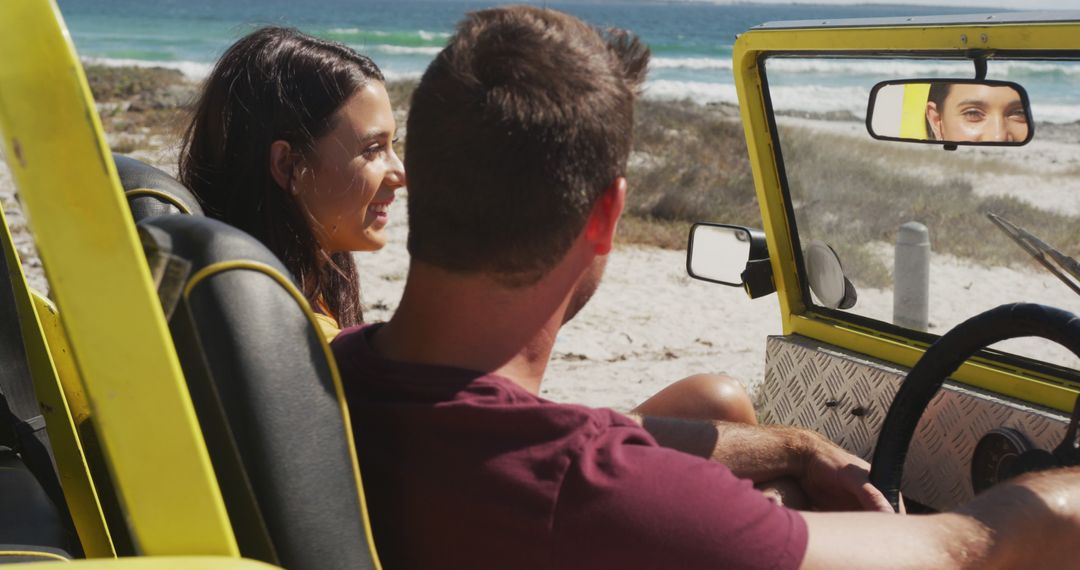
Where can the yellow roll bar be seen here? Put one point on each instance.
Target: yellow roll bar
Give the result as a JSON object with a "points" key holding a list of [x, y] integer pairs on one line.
{"points": [[109, 308]]}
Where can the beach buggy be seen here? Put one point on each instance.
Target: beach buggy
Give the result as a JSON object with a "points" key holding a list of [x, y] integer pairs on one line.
{"points": [[148, 412]]}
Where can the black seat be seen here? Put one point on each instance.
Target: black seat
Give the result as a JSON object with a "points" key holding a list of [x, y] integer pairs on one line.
{"points": [[151, 191], [268, 398], [31, 526], [33, 513]]}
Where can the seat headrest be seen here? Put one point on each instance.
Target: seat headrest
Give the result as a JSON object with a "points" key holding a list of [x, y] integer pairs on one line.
{"points": [[152, 192], [204, 241]]}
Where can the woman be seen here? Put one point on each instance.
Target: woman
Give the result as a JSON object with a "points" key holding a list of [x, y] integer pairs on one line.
{"points": [[974, 112], [292, 142]]}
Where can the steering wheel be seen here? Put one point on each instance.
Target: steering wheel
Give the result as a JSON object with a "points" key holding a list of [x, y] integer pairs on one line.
{"points": [[942, 359]]}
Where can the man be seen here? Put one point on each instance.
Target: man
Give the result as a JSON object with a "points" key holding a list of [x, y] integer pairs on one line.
{"points": [[519, 134]]}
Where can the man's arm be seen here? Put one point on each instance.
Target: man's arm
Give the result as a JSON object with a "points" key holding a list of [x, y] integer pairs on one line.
{"points": [[1033, 522], [831, 477]]}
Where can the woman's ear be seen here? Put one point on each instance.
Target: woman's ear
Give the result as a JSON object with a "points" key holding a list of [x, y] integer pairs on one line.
{"points": [[282, 161], [933, 118]]}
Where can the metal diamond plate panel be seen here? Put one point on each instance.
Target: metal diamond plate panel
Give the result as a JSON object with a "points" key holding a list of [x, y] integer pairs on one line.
{"points": [[845, 397]]}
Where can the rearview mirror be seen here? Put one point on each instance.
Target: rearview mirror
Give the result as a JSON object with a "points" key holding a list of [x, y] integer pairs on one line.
{"points": [[730, 255], [950, 112]]}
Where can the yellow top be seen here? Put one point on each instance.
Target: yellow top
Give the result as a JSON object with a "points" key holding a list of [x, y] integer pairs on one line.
{"points": [[327, 326]]}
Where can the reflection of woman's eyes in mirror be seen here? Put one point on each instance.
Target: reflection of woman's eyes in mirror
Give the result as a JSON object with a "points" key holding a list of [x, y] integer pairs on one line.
{"points": [[973, 115], [1017, 114]]}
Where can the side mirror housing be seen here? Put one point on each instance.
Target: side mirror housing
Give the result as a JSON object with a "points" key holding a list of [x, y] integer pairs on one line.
{"points": [[735, 256]]}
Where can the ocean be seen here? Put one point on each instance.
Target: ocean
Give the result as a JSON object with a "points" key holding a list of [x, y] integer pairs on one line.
{"points": [[691, 43]]}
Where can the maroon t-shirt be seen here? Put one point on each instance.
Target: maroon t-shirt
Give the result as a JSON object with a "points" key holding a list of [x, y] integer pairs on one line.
{"points": [[468, 470]]}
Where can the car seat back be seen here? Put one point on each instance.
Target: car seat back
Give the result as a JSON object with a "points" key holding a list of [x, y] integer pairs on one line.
{"points": [[268, 397]]}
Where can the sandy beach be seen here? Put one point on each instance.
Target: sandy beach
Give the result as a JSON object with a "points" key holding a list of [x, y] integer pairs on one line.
{"points": [[650, 324]]}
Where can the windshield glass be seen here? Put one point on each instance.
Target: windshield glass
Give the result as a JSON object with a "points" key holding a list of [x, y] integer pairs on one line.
{"points": [[909, 221]]}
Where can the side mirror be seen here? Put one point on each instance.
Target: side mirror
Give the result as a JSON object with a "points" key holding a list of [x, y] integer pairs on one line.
{"points": [[735, 256], [950, 112]]}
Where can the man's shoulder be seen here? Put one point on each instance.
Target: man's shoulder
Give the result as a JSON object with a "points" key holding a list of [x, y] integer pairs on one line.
{"points": [[379, 380], [351, 339]]}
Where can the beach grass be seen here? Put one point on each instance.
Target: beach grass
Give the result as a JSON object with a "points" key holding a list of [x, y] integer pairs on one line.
{"points": [[855, 194], [141, 106], [109, 83], [689, 164]]}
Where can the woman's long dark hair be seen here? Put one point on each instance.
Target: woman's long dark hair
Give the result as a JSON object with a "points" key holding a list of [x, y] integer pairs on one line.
{"points": [[275, 84]]}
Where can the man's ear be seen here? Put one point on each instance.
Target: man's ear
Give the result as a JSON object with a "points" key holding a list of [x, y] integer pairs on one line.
{"points": [[282, 161], [600, 227], [933, 117]]}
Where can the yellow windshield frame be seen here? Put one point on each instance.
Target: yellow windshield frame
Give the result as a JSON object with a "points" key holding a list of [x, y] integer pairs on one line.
{"points": [[797, 317]]}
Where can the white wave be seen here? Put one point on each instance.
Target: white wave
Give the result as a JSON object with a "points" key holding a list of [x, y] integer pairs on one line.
{"points": [[1007, 68], [429, 36], [697, 91], [194, 70], [399, 50], [917, 68], [897, 68], [422, 34], [809, 98], [820, 99], [401, 75], [1054, 113], [690, 63]]}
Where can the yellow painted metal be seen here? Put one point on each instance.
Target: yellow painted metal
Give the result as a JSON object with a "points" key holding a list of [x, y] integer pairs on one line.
{"points": [[750, 49], [118, 337], [63, 361], [45, 556], [339, 389], [151, 563], [79, 492]]}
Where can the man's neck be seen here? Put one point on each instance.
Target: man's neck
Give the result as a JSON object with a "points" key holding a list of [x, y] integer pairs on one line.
{"points": [[474, 322]]}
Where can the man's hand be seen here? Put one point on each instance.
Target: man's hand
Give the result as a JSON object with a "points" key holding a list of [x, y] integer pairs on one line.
{"points": [[831, 478], [835, 480]]}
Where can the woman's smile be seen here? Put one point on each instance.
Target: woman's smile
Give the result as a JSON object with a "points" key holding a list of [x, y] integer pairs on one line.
{"points": [[381, 212]]}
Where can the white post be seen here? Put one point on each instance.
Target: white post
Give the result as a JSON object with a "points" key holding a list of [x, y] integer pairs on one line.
{"points": [[911, 277]]}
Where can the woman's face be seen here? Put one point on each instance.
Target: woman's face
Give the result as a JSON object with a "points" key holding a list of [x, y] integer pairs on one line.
{"points": [[347, 184], [974, 113]]}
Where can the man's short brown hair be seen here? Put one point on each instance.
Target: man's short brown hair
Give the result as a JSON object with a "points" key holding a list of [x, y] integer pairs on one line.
{"points": [[515, 130]]}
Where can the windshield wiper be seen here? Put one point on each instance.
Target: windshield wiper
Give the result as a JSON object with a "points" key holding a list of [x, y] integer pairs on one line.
{"points": [[1053, 260]]}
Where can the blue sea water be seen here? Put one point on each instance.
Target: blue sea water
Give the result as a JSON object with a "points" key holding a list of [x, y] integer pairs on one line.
{"points": [[691, 42]]}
